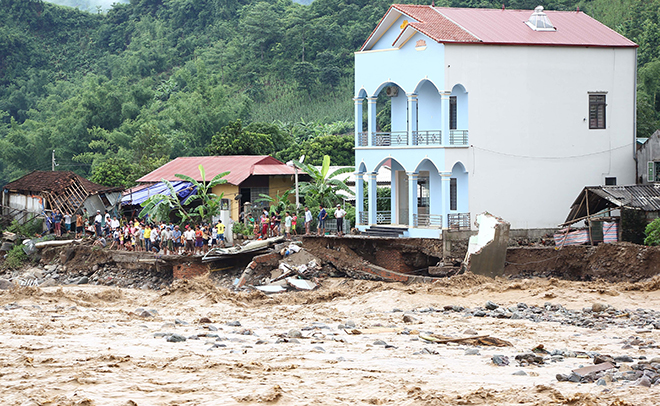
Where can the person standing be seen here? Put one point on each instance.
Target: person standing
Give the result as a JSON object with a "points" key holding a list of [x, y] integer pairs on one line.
{"points": [[339, 215], [288, 220], [147, 238], [323, 215], [189, 235], [67, 222], [80, 223], [264, 224], [221, 232], [308, 220], [294, 221], [176, 238], [97, 223], [57, 221]]}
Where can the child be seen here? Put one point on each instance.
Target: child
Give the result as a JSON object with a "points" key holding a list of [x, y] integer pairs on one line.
{"points": [[288, 220]]}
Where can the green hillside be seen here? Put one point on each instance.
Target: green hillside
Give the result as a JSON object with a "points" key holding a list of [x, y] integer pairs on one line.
{"points": [[117, 94]]}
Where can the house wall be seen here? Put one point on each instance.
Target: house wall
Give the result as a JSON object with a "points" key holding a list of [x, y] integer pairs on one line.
{"points": [[230, 191], [531, 147], [280, 184], [650, 151]]}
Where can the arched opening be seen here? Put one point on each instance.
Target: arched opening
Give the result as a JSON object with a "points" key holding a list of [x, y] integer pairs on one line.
{"points": [[429, 195], [429, 117], [458, 116], [361, 119], [391, 116], [459, 207]]}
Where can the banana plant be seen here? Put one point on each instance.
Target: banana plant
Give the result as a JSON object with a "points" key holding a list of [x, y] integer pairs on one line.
{"points": [[323, 186]]}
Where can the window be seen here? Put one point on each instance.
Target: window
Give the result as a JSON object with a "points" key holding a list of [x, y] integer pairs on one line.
{"points": [[224, 204], [610, 181], [597, 111], [453, 192], [255, 193], [656, 173], [452, 112]]}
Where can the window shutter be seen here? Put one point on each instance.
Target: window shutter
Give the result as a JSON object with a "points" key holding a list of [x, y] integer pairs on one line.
{"points": [[651, 172]]}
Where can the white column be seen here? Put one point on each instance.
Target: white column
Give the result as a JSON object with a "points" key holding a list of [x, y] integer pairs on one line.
{"points": [[444, 116], [371, 111], [412, 198], [445, 198], [358, 119], [412, 118], [359, 197], [373, 193]]}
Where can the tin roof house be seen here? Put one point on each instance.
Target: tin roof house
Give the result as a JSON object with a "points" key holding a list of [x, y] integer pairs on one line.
{"points": [[506, 111]]}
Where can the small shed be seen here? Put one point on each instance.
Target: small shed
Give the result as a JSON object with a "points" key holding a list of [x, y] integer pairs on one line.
{"points": [[40, 192], [631, 206]]}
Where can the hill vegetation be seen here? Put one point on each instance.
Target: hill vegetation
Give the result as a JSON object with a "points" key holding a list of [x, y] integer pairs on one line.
{"points": [[119, 93]]}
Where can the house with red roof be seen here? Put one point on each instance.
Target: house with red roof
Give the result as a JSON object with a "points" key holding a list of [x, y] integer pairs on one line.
{"points": [[249, 176], [507, 111]]}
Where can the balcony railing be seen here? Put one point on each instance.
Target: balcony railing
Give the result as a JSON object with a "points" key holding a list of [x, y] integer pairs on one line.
{"points": [[458, 221], [427, 220], [363, 217], [384, 217], [363, 139], [458, 137], [396, 138], [430, 137]]}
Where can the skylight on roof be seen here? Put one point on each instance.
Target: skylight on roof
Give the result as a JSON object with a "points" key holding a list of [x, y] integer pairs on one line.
{"points": [[539, 21]]}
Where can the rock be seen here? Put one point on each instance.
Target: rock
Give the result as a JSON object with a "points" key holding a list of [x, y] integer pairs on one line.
{"points": [[211, 328], [600, 358], [205, 320], [644, 381], [6, 285], [46, 283], [293, 333], [599, 307], [500, 360], [601, 382], [470, 332], [520, 373], [180, 322], [176, 338], [472, 351], [379, 342], [349, 324], [409, 319], [529, 359], [83, 281], [261, 342], [623, 358], [318, 349], [234, 323], [479, 313], [145, 314], [491, 306]]}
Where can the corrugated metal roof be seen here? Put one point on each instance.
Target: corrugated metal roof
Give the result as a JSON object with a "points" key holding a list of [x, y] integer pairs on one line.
{"points": [[55, 181], [501, 27], [496, 26], [240, 167], [599, 198]]}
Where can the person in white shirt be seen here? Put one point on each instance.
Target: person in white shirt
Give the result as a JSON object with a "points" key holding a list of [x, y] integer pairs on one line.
{"points": [[97, 223], [114, 223], [308, 220], [339, 215]]}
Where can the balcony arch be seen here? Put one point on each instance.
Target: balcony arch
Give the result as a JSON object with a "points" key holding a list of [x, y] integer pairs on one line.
{"points": [[458, 115]]}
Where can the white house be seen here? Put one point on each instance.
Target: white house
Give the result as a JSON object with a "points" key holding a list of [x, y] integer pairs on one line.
{"points": [[507, 111]]}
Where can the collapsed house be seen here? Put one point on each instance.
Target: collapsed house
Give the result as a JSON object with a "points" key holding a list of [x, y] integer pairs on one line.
{"points": [[40, 192], [611, 213]]}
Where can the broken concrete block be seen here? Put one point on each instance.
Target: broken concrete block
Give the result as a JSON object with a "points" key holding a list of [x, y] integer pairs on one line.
{"points": [[487, 250]]}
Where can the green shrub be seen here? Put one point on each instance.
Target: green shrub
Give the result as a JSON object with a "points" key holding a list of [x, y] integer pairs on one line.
{"points": [[28, 229], [240, 228], [652, 233], [15, 258]]}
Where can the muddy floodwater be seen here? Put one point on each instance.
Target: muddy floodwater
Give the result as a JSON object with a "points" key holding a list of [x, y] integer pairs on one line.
{"points": [[93, 345]]}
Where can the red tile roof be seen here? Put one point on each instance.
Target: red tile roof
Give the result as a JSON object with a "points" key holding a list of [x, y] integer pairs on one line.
{"points": [[54, 181], [240, 167], [504, 27]]}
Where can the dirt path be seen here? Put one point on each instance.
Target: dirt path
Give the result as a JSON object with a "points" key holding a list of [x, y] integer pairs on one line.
{"points": [[88, 345]]}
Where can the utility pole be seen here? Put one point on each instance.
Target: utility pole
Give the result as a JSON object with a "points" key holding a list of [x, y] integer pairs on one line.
{"points": [[53, 164]]}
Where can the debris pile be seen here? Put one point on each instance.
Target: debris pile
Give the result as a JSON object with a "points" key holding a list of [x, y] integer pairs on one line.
{"points": [[289, 267]]}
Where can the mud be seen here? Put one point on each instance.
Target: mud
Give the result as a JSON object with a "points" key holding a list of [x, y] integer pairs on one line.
{"points": [[88, 345]]}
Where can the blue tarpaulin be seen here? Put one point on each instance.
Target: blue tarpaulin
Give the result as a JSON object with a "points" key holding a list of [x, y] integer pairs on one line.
{"points": [[182, 189]]}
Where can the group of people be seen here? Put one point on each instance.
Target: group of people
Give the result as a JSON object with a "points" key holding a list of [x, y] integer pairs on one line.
{"points": [[271, 225], [140, 235]]}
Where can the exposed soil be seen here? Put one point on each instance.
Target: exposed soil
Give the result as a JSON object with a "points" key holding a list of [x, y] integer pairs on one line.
{"points": [[615, 262]]}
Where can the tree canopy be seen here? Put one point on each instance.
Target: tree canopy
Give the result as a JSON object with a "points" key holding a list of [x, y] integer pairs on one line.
{"points": [[117, 93]]}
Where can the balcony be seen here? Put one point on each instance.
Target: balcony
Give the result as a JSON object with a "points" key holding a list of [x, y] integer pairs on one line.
{"points": [[416, 138], [458, 221], [427, 220], [458, 137]]}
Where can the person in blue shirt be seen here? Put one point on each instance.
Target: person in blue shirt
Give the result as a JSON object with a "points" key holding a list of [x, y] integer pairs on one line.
{"points": [[322, 216]]}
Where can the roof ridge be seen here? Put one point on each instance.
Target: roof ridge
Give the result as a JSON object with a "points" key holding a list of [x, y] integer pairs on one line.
{"points": [[455, 23]]}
